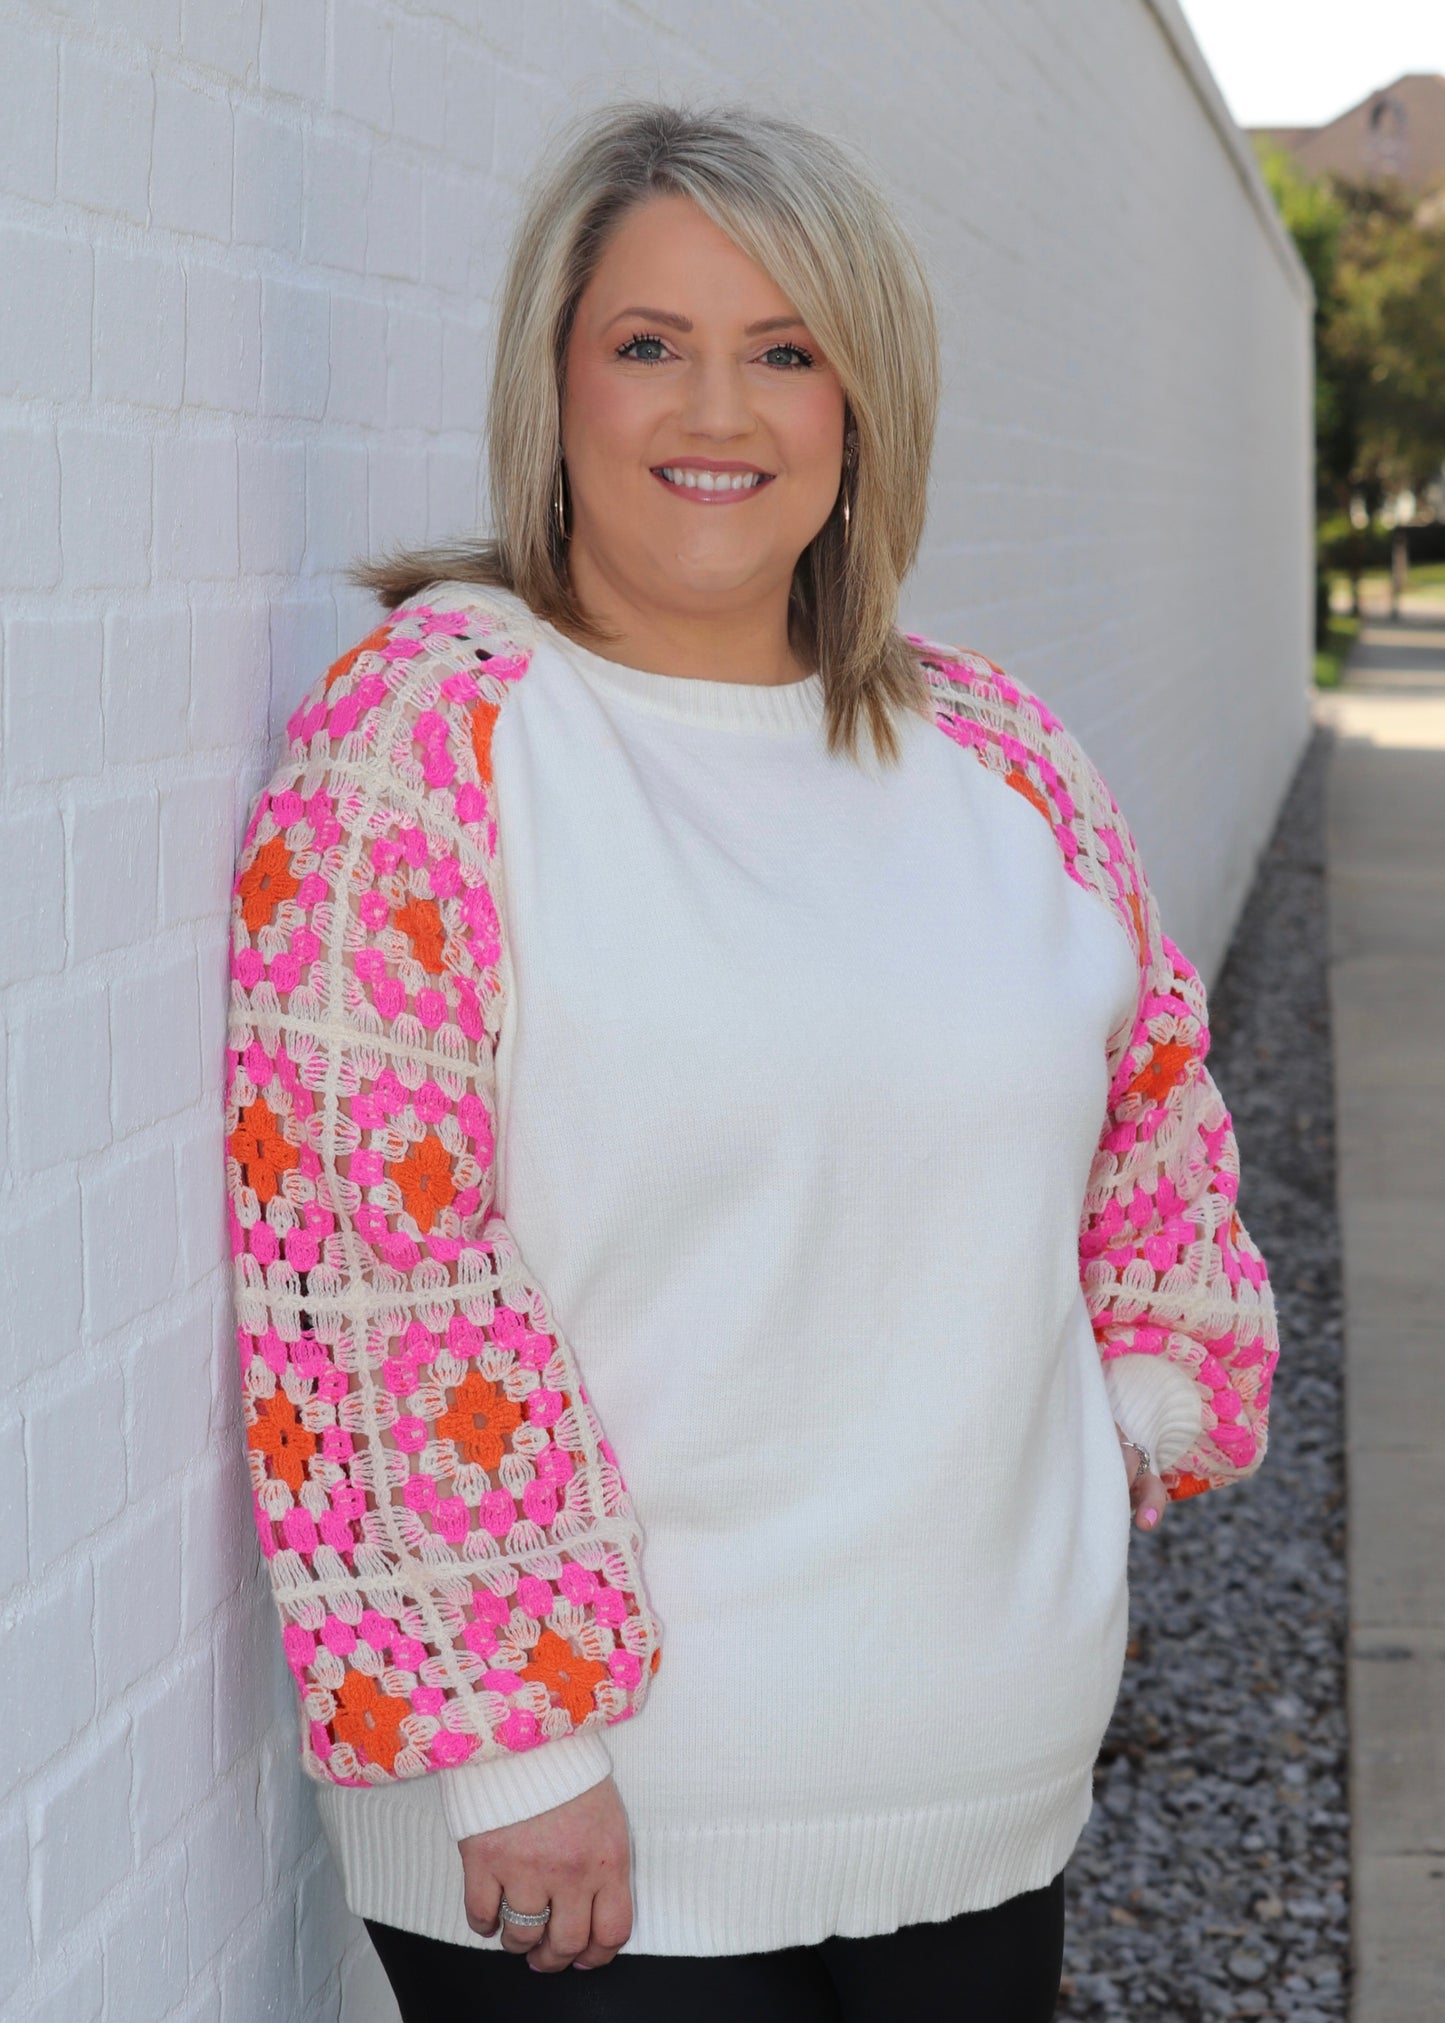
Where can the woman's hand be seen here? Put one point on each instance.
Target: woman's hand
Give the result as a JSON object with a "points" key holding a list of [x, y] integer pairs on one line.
{"points": [[1147, 1493], [575, 1857]]}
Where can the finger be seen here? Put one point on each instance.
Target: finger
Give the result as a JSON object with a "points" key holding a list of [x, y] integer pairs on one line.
{"points": [[566, 1933], [482, 1897], [611, 1925], [524, 1938], [1151, 1502]]}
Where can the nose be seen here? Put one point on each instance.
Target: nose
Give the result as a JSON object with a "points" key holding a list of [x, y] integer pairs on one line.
{"points": [[717, 406]]}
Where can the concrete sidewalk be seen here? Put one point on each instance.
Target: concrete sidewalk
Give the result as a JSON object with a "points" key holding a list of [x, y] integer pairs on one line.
{"points": [[1386, 851]]}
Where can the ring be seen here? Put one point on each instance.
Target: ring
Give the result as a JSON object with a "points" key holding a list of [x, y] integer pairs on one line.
{"points": [[533, 1918]]}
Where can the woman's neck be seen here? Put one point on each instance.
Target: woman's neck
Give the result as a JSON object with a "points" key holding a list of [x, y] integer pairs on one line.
{"points": [[747, 642]]}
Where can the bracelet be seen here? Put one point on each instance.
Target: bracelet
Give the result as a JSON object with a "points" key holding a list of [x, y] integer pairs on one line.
{"points": [[1146, 1459]]}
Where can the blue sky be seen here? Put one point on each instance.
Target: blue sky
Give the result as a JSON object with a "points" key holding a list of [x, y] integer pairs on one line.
{"points": [[1300, 62]]}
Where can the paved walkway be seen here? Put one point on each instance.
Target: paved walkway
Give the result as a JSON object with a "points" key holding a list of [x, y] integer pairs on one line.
{"points": [[1386, 848]]}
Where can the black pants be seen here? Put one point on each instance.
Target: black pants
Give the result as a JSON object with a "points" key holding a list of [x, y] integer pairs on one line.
{"points": [[997, 1966]]}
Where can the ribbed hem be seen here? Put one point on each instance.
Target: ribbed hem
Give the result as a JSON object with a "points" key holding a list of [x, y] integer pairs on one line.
{"points": [[476, 1797], [708, 1890], [1156, 1403], [776, 709]]}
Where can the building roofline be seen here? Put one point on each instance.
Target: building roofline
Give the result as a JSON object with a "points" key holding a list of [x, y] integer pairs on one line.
{"points": [[1176, 31]]}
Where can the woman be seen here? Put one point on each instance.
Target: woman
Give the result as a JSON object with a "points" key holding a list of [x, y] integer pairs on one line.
{"points": [[648, 1027]]}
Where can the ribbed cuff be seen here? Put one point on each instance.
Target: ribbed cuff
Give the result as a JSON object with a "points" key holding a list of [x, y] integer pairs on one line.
{"points": [[503, 1789], [1155, 1403]]}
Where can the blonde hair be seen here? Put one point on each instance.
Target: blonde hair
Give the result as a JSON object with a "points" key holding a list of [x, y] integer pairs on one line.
{"points": [[800, 206]]}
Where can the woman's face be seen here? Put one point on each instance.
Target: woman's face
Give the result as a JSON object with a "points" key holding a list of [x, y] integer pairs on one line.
{"points": [[702, 427]]}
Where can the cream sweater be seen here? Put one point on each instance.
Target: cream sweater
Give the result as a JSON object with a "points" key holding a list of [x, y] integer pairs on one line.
{"points": [[800, 1082]]}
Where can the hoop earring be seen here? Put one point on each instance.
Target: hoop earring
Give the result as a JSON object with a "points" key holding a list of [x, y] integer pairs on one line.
{"points": [[559, 506], [847, 514]]}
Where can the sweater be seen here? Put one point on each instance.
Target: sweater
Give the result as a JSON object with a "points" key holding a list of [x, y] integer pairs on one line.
{"points": [[644, 1076]]}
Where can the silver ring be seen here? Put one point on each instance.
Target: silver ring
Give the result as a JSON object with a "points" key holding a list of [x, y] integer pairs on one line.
{"points": [[1146, 1460], [531, 1918]]}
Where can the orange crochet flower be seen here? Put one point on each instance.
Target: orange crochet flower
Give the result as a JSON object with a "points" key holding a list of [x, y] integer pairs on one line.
{"points": [[369, 1719], [481, 1420], [1019, 780], [341, 668], [421, 922], [570, 1677], [484, 718], [261, 1150], [265, 882], [425, 1180], [1162, 1070], [279, 1434]]}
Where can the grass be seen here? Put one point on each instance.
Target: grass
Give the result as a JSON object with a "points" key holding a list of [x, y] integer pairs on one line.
{"points": [[1330, 658], [1376, 582]]}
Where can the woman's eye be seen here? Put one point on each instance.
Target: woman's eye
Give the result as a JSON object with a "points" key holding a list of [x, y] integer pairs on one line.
{"points": [[790, 356], [645, 350]]}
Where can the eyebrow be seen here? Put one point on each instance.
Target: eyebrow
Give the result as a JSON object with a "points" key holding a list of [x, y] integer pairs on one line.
{"points": [[684, 323]]}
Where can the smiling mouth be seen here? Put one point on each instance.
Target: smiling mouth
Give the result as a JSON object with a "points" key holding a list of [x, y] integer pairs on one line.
{"points": [[711, 487]]}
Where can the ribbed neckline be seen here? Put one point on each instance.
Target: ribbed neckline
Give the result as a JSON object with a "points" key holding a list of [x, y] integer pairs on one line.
{"points": [[779, 709]]}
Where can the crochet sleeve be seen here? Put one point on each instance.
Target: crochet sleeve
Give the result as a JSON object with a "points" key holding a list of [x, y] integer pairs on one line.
{"points": [[1169, 1270], [450, 1541]]}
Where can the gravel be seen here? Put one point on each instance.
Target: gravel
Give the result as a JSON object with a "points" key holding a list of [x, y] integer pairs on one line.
{"points": [[1212, 1879]]}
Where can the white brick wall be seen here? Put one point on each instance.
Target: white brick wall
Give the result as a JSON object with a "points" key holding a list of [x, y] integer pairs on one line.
{"points": [[248, 250]]}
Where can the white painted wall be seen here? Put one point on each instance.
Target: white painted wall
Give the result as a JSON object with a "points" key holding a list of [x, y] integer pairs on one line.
{"points": [[247, 254]]}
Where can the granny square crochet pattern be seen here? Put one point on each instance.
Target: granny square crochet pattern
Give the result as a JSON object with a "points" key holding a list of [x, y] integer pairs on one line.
{"points": [[452, 1547]]}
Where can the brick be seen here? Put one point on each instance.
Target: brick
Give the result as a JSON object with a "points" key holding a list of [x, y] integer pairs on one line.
{"points": [[32, 876], [129, 1209], [82, 1838], [293, 47], [154, 1044], [147, 683], [361, 64], [139, 352], [40, 1264], [52, 698], [246, 1683], [358, 361], [365, 1991], [230, 673], [272, 508], [14, 1547], [140, 1559], [471, 85], [170, 1744], [145, 1947], [168, 1378], [112, 874], [223, 1869], [219, 1550], [334, 228], [262, 1978], [191, 161], [105, 133], [325, 1925], [48, 1674], [74, 1996], [295, 354], [290, 1830], [105, 508], [201, 1191], [336, 504], [452, 505], [226, 39], [14, 1906], [223, 339], [156, 23], [29, 63], [414, 370], [29, 509], [394, 219], [397, 496], [464, 377], [196, 507], [196, 848], [44, 315], [452, 206], [62, 1074], [418, 74], [304, 642], [213, 968], [75, 1463], [269, 161]]}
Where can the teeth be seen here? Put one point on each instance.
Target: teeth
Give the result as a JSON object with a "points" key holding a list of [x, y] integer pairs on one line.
{"points": [[712, 481]]}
